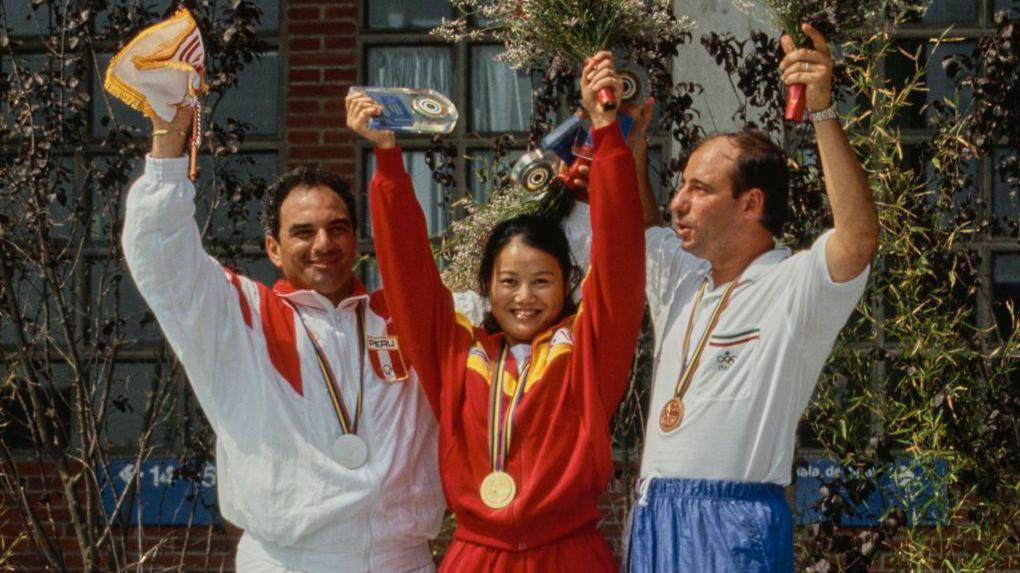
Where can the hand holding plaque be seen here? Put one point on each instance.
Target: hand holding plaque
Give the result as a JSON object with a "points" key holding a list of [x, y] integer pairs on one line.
{"points": [[410, 110]]}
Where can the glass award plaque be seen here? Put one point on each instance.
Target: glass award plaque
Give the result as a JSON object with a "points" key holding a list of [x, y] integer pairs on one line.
{"points": [[412, 110]]}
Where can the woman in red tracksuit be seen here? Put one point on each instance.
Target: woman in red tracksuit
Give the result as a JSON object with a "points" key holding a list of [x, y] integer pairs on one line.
{"points": [[524, 407]]}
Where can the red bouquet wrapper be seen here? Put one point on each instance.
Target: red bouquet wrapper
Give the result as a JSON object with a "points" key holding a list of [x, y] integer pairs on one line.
{"points": [[573, 172], [795, 101], [607, 97]]}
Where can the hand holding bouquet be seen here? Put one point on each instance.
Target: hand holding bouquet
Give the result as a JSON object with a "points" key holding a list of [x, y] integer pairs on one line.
{"points": [[810, 71], [834, 20]]}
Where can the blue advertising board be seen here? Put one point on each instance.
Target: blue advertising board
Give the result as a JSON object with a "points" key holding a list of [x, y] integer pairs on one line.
{"points": [[919, 492], [163, 496]]}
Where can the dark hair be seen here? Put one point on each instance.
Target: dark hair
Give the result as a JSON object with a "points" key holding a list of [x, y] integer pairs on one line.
{"points": [[307, 177], [761, 164], [538, 232]]}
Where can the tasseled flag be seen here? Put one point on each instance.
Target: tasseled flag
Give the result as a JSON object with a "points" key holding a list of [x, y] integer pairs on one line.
{"points": [[161, 69]]}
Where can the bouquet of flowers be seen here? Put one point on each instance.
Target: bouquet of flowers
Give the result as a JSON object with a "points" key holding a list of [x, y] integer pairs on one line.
{"points": [[837, 20], [560, 34]]}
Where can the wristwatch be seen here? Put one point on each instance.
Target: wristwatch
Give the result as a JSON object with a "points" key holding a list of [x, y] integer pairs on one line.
{"points": [[824, 115]]}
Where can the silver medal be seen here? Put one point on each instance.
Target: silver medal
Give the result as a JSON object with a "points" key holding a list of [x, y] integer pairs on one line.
{"points": [[350, 451]]}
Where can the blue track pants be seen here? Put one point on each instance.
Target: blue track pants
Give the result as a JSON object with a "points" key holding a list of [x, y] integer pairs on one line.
{"points": [[702, 526]]}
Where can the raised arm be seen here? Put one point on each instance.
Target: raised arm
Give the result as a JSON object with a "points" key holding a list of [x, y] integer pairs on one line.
{"points": [[613, 292], [637, 140], [421, 307], [187, 290], [855, 238]]}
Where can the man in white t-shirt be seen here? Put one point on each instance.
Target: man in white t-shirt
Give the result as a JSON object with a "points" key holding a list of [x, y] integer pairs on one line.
{"points": [[743, 328]]}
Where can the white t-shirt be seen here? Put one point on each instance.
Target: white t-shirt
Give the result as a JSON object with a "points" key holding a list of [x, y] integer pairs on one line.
{"points": [[760, 367]]}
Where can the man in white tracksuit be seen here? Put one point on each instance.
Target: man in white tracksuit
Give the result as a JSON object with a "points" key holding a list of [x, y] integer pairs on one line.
{"points": [[326, 446]]}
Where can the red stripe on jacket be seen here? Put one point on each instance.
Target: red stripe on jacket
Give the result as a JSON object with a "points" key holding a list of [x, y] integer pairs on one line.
{"points": [[281, 336], [242, 300]]}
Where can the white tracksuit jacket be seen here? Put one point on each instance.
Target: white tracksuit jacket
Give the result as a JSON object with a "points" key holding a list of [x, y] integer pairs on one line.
{"points": [[254, 371]]}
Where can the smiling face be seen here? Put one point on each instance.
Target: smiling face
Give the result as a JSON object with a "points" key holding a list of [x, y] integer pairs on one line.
{"points": [[708, 217], [527, 291], [317, 246]]}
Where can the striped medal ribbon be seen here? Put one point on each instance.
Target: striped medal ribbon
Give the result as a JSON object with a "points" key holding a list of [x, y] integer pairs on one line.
{"points": [[498, 488], [348, 449], [673, 410]]}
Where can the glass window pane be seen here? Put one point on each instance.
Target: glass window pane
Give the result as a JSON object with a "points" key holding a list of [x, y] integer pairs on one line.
{"points": [[236, 201], [412, 67], [940, 87], [1010, 6], [140, 13], [110, 193], [129, 391], [56, 393], [261, 269], [154, 9], [1005, 287], [23, 20], [115, 296], [65, 199], [255, 100], [18, 70], [1006, 202], [270, 21], [500, 96], [40, 320], [401, 14], [368, 272], [429, 193], [108, 110], [951, 11]]}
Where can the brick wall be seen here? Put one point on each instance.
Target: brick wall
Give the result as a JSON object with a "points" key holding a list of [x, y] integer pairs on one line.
{"points": [[165, 548], [322, 63]]}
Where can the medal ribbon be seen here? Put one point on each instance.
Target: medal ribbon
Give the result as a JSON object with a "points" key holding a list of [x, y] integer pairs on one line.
{"points": [[500, 434], [332, 386], [689, 367]]}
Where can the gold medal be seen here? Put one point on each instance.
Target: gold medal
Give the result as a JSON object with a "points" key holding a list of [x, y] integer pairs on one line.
{"points": [[672, 414], [498, 490]]}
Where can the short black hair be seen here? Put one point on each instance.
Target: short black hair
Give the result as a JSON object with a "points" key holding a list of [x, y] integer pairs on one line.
{"points": [[761, 164], [307, 177], [541, 233]]}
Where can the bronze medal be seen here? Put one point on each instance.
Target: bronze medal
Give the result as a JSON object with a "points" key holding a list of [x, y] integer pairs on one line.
{"points": [[498, 490], [671, 416]]}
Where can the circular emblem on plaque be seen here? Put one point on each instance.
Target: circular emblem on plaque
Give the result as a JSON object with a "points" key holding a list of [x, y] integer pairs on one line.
{"points": [[350, 451], [537, 177], [631, 84], [498, 490], [671, 416], [429, 107], [534, 171]]}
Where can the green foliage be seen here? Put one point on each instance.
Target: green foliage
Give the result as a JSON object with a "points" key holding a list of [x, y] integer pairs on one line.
{"points": [[942, 376]]}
